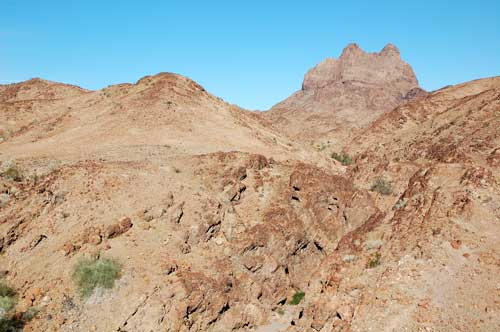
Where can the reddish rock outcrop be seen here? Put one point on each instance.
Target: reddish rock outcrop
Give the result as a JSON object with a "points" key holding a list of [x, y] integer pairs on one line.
{"points": [[341, 95]]}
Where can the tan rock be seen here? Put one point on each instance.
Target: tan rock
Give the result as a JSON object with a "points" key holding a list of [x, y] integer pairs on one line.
{"points": [[455, 244]]}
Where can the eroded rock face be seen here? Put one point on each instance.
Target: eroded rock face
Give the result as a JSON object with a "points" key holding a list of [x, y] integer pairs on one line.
{"points": [[341, 95], [383, 69], [224, 256], [436, 151]]}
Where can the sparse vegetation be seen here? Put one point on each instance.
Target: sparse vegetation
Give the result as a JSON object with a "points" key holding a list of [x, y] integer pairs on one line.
{"points": [[30, 313], [374, 260], [16, 323], [343, 158], [7, 297], [297, 297], [321, 146], [381, 186], [6, 290], [8, 323], [7, 303], [12, 173], [91, 273]]}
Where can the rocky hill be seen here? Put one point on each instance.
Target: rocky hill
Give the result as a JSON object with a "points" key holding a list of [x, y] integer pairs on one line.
{"points": [[165, 110], [454, 124], [27, 103], [341, 95], [220, 221], [440, 156]]}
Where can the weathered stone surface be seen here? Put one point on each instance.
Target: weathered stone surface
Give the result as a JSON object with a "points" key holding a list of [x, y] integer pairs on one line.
{"points": [[340, 96], [119, 228]]}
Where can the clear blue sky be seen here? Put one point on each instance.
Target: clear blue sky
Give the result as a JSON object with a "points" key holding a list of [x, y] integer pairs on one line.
{"points": [[251, 53]]}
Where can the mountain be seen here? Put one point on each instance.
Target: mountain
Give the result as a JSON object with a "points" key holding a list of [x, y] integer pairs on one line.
{"points": [[339, 96], [164, 112], [38, 89], [220, 219], [29, 102], [440, 155], [457, 124]]}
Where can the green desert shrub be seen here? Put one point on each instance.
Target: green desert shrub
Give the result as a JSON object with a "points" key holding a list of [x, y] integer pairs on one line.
{"points": [[11, 321], [343, 158], [12, 173], [7, 303], [297, 297], [374, 261], [11, 324], [381, 186], [6, 290], [91, 273], [7, 297]]}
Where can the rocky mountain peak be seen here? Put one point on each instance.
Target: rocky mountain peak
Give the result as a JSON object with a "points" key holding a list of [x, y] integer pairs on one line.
{"points": [[168, 82], [384, 68], [390, 50], [39, 89], [341, 95], [351, 49]]}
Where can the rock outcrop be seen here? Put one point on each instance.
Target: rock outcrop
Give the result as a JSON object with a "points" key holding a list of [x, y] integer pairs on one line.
{"points": [[341, 95], [383, 69]]}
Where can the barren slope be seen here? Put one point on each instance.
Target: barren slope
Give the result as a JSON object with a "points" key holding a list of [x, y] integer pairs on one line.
{"points": [[441, 156], [165, 111], [29, 103], [454, 124]]}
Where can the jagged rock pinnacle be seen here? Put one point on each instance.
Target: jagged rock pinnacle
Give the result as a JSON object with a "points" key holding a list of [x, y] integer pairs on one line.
{"points": [[384, 68]]}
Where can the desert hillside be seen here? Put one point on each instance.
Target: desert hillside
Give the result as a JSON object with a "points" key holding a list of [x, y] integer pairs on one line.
{"points": [[220, 219], [27, 103], [165, 111]]}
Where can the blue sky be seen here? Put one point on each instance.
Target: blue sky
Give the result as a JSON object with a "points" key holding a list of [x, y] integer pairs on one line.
{"points": [[251, 53]]}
